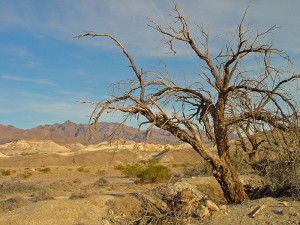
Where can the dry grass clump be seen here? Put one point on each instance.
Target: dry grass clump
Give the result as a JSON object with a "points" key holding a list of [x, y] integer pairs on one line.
{"points": [[82, 169], [13, 203], [179, 208], [80, 194], [279, 164], [44, 196], [17, 187], [100, 183], [62, 185], [124, 209], [201, 168], [100, 172], [25, 175], [44, 170], [284, 173]]}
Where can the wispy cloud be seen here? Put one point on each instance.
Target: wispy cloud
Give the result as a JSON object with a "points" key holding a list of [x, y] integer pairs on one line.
{"points": [[126, 20], [71, 110], [37, 81], [64, 92]]}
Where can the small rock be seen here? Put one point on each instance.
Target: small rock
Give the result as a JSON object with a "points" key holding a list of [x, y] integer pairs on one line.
{"points": [[211, 205], [284, 212], [204, 211], [277, 211]]}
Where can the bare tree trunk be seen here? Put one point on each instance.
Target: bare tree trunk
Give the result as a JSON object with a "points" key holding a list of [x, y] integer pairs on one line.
{"points": [[224, 171], [227, 176]]}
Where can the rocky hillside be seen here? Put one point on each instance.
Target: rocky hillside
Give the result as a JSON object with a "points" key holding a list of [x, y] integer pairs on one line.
{"points": [[70, 132]]}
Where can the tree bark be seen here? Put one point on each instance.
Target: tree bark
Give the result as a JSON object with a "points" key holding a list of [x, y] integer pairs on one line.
{"points": [[224, 171], [227, 176]]}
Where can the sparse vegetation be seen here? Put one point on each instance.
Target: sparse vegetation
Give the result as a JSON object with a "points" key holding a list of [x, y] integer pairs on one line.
{"points": [[25, 175], [146, 171], [5, 172], [100, 172], [45, 170], [281, 164], [44, 195], [82, 169], [119, 167], [13, 203], [174, 165], [80, 194], [9, 187], [197, 169]]}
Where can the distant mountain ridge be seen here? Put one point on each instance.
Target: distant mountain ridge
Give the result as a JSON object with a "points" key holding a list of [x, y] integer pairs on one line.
{"points": [[69, 132]]}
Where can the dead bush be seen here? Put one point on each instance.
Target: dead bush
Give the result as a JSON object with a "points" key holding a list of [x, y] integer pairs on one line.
{"points": [[80, 194], [13, 203], [197, 169], [62, 185], [17, 187], [100, 183], [124, 209], [179, 209], [284, 174], [44, 196], [280, 166]]}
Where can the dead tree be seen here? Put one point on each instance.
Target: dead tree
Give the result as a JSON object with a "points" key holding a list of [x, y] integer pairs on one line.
{"points": [[224, 96]]}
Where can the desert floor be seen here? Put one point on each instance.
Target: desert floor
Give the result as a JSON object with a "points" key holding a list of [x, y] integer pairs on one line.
{"points": [[102, 195]]}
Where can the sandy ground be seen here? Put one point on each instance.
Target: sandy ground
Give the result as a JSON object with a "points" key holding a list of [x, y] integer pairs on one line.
{"points": [[66, 196]]}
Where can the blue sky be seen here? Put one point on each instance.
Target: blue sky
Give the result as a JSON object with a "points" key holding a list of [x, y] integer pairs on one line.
{"points": [[44, 71]]}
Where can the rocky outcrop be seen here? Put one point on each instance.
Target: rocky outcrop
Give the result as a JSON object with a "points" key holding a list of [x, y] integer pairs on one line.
{"points": [[26, 147]]}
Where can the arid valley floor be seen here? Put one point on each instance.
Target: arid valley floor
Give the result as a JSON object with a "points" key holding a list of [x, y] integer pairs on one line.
{"points": [[74, 184]]}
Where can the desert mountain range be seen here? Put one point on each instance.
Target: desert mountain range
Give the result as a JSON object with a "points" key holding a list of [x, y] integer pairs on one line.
{"points": [[69, 132]]}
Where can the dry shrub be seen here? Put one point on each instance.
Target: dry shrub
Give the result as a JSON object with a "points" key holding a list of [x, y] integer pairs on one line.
{"points": [[25, 175], [284, 173], [201, 168], [280, 164], [17, 187], [100, 183], [80, 194], [5, 172], [62, 185], [124, 208], [77, 181], [44, 196], [13, 203], [101, 172], [44, 170], [179, 209]]}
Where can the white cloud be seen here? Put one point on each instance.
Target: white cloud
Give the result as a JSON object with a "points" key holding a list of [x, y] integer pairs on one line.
{"points": [[125, 19], [37, 81]]}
